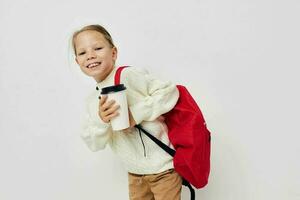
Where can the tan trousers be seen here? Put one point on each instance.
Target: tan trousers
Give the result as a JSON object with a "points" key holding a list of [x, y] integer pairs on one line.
{"points": [[163, 186]]}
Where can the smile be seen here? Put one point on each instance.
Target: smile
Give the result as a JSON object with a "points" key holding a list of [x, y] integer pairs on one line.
{"points": [[92, 65]]}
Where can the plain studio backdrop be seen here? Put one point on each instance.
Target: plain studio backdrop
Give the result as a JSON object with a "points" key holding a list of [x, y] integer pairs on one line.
{"points": [[239, 59]]}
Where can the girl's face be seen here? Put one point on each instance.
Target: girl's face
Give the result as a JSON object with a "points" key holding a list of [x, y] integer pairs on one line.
{"points": [[94, 54]]}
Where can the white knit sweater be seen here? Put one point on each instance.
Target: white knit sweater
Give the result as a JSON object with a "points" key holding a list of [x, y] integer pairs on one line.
{"points": [[148, 98]]}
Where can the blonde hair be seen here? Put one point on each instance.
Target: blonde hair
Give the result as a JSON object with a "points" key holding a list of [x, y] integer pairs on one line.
{"points": [[93, 27]]}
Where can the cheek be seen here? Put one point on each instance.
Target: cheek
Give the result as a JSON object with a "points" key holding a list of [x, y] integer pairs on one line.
{"points": [[107, 54], [81, 63], [107, 58]]}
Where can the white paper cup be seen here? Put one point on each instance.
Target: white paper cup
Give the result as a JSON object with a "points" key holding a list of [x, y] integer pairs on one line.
{"points": [[118, 93]]}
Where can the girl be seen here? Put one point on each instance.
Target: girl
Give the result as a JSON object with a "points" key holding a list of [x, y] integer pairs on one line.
{"points": [[151, 174]]}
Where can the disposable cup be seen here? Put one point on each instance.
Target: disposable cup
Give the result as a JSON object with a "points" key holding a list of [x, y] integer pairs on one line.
{"points": [[118, 93]]}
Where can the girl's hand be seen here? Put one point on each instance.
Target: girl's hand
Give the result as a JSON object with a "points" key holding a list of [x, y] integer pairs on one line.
{"points": [[107, 109]]}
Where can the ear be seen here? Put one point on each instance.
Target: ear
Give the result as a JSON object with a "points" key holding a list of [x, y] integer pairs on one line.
{"points": [[76, 60], [114, 53]]}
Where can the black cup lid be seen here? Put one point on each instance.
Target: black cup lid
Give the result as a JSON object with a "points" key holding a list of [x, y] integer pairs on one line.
{"points": [[114, 88]]}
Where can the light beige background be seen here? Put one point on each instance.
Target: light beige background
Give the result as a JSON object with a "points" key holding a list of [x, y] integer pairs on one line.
{"points": [[239, 59]]}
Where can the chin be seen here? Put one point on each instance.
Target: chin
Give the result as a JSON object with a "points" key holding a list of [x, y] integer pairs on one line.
{"points": [[96, 74]]}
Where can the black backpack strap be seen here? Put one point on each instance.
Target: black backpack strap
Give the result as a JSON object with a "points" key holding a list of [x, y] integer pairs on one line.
{"points": [[171, 152], [192, 191]]}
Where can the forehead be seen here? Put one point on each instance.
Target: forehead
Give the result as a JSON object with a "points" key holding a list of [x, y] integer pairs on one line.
{"points": [[89, 38]]}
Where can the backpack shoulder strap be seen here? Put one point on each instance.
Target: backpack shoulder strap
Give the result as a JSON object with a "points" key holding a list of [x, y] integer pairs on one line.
{"points": [[118, 74], [167, 149]]}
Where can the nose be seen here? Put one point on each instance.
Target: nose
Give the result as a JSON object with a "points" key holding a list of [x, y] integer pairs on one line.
{"points": [[91, 55]]}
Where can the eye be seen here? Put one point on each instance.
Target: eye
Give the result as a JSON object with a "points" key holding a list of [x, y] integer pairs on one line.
{"points": [[99, 48], [81, 53]]}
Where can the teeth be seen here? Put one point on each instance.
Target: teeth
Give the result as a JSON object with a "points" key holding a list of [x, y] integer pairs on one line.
{"points": [[93, 65]]}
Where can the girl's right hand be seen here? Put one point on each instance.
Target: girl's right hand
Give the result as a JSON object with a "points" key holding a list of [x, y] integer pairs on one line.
{"points": [[107, 109]]}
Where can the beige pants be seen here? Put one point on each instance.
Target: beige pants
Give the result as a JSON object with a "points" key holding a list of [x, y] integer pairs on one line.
{"points": [[163, 186]]}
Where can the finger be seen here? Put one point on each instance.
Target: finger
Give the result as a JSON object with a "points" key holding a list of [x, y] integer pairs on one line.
{"points": [[104, 113], [111, 116], [102, 100], [107, 105], [104, 117], [111, 110]]}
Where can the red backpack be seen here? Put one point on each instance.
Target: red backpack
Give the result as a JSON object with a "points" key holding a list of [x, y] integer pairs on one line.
{"points": [[190, 137]]}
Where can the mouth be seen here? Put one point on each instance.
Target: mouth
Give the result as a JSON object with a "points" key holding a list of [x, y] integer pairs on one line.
{"points": [[93, 65]]}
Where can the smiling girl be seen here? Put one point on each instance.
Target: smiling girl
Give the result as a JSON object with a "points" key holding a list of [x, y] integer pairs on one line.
{"points": [[150, 169]]}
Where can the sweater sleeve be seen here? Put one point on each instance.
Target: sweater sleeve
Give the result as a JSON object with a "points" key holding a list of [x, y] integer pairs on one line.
{"points": [[95, 134], [153, 97]]}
